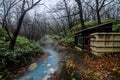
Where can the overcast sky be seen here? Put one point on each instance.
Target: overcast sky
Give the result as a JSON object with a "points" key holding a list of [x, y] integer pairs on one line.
{"points": [[44, 8]]}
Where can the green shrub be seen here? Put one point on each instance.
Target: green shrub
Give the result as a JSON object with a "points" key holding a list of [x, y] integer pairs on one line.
{"points": [[23, 52], [116, 28], [57, 37], [2, 33], [90, 23], [107, 20], [68, 41], [117, 21], [76, 28]]}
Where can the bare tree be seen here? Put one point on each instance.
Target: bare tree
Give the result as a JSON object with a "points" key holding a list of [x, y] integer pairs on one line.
{"points": [[97, 6], [80, 13], [7, 5], [24, 10], [68, 14], [26, 26], [65, 8]]}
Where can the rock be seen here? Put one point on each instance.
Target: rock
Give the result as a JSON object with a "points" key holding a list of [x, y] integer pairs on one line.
{"points": [[51, 71], [33, 66], [46, 77], [48, 65]]}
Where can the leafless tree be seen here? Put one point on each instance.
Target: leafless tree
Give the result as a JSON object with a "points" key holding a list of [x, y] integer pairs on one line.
{"points": [[36, 27], [64, 7], [26, 26], [69, 18], [62, 17], [97, 6], [7, 5], [80, 13], [25, 7]]}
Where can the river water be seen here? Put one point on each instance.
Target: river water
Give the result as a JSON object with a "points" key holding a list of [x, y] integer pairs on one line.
{"points": [[47, 66]]}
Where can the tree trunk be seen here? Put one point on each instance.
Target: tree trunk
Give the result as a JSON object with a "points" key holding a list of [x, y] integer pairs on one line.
{"points": [[68, 15], [98, 17], [4, 26], [81, 14], [15, 34], [12, 42], [98, 12]]}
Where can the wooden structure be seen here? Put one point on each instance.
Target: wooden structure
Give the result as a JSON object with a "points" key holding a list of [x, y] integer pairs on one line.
{"points": [[101, 43], [82, 37]]}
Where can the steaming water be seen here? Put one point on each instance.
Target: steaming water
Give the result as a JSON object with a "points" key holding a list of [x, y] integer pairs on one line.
{"points": [[45, 67]]}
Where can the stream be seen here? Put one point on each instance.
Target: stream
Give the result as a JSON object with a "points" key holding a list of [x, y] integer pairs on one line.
{"points": [[45, 67]]}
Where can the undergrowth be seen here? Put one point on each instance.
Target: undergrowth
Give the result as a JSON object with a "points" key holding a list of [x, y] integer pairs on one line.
{"points": [[67, 39], [23, 53]]}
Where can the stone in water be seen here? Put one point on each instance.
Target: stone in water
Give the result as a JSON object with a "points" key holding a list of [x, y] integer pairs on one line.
{"points": [[48, 65], [33, 66]]}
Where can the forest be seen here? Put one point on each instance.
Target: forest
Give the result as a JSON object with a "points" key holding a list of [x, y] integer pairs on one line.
{"points": [[37, 39]]}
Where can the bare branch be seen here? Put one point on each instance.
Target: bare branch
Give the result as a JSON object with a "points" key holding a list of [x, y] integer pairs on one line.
{"points": [[27, 3], [33, 5], [0, 22], [23, 6], [103, 4], [32, 2], [89, 5], [108, 3], [14, 3]]}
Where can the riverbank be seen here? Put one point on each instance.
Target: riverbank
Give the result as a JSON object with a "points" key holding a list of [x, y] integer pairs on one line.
{"points": [[19, 71], [77, 65], [46, 64], [82, 66], [11, 60]]}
